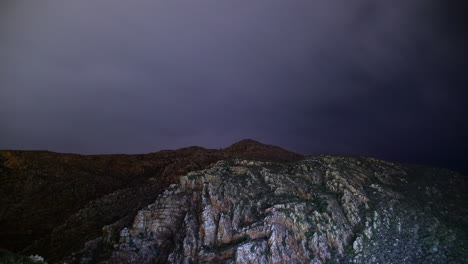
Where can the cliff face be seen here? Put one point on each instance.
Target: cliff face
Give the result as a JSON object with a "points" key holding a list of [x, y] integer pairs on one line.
{"points": [[322, 209], [52, 203]]}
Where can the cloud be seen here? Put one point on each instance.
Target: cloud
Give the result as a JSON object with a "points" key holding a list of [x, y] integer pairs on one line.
{"points": [[315, 76]]}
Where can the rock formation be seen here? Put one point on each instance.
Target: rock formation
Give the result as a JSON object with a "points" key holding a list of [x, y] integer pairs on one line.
{"points": [[52, 203], [248, 203], [322, 209]]}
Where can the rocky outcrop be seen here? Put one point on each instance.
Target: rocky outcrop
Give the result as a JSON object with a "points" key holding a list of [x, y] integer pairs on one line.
{"points": [[52, 203], [249, 203], [322, 209]]}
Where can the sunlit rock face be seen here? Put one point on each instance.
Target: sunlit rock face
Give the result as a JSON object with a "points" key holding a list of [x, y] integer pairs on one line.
{"points": [[322, 209]]}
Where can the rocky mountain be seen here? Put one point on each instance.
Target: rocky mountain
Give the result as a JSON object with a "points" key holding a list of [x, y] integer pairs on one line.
{"points": [[52, 203], [249, 203]]}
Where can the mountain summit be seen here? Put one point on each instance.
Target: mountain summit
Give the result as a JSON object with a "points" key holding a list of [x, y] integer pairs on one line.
{"points": [[249, 148]]}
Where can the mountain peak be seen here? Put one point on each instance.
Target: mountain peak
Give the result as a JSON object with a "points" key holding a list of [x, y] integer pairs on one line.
{"points": [[249, 148], [247, 142]]}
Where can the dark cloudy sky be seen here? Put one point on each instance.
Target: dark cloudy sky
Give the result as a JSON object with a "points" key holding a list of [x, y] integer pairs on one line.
{"points": [[379, 78]]}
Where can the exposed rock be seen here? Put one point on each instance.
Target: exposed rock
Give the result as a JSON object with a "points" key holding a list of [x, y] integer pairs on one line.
{"points": [[262, 212], [237, 205], [52, 203]]}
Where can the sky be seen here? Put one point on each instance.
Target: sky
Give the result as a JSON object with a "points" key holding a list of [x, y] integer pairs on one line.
{"points": [[378, 78]]}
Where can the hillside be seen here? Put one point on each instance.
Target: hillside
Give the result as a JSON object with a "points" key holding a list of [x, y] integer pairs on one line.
{"points": [[51, 203], [322, 209], [247, 203]]}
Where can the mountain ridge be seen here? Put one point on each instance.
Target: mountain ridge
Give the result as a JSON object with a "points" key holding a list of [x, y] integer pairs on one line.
{"points": [[73, 208], [60, 185], [321, 209]]}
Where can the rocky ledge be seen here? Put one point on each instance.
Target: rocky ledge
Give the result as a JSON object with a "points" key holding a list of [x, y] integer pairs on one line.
{"points": [[323, 209]]}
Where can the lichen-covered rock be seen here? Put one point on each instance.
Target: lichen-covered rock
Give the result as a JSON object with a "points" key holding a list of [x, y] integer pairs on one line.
{"points": [[322, 209]]}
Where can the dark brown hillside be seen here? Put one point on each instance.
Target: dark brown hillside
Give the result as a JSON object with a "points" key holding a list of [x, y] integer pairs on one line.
{"points": [[51, 203], [251, 149]]}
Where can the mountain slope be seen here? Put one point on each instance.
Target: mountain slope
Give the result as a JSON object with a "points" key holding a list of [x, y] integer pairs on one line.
{"points": [[322, 209], [52, 203]]}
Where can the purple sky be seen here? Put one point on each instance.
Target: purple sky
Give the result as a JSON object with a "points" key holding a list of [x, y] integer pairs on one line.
{"points": [[386, 79]]}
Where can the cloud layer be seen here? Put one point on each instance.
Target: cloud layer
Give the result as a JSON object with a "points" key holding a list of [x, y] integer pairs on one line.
{"points": [[365, 77]]}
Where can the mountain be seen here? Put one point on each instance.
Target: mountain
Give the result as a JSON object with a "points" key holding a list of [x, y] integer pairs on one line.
{"points": [[251, 149], [248, 203], [52, 203]]}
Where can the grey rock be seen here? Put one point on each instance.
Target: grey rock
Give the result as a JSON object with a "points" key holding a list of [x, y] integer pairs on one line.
{"points": [[323, 209]]}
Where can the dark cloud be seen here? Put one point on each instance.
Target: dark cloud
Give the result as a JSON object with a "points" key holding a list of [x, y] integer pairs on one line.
{"points": [[378, 78]]}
